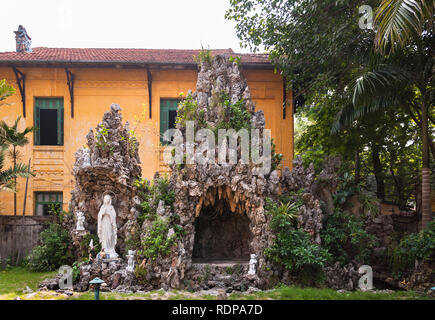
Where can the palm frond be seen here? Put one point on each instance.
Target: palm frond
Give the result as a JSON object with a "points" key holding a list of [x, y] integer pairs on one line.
{"points": [[11, 135], [373, 90], [399, 20], [23, 170], [6, 90], [7, 177], [382, 79]]}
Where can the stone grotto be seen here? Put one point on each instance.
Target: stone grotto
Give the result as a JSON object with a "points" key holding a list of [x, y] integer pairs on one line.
{"points": [[217, 223]]}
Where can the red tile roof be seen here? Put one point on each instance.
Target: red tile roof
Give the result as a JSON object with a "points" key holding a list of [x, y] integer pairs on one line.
{"points": [[43, 55]]}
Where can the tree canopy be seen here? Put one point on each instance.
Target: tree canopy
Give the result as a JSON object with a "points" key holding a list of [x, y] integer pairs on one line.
{"points": [[364, 95]]}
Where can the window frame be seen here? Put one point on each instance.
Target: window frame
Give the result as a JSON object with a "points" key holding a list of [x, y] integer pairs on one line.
{"points": [[49, 193], [166, 105], [41, 103]]}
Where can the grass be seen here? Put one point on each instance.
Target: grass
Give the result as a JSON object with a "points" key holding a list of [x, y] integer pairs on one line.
{"points": [[297, 293], [280, 293], [14, 280], [151, 295]]}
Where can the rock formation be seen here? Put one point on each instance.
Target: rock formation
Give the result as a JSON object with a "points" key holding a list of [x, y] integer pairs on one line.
{"points": [[212, 195], [109, 165], [302, 180], [218, 208]]}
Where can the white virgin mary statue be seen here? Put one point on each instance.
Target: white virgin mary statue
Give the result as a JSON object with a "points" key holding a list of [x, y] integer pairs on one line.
{"points": [[107, 229]]}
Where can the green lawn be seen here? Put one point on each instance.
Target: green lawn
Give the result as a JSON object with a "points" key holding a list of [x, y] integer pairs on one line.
{"points": [[12, 281], [296, 293], [282, 293]]}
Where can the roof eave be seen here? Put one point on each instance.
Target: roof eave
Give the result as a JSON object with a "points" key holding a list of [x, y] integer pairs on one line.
{"points": [[117, 64]]}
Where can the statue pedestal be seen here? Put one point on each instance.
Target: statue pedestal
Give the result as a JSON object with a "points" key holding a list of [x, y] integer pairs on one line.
{"points": [[109, 260], [110, 264], [107, 257]]}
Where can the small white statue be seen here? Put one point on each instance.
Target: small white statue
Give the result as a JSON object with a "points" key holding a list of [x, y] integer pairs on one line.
{"points": [[252, 264], [170, 234], [91, 247], [130, 256], [86, 158], [80, 221], [366, 281], [107, 229]]}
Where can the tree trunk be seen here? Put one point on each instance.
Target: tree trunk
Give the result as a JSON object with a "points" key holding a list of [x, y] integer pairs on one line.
{"points": [[24, 213], [426, 211], [15, 183], [357, 167], [377, 168]]}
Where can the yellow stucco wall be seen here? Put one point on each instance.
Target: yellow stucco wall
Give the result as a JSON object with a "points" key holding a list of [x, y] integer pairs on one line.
{"points": [[97, 88]]}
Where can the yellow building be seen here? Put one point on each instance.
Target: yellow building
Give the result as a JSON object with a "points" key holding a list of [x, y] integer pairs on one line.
{"points": [[64, 92]]}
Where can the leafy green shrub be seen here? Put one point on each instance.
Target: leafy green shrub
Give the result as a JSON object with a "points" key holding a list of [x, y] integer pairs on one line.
{"points": [[204, 56], [151, 194], [235, 115], [156, 242], [6, 264], [369, 202], [55, 210], [346, 188], [76, 269], [160, 188], [344, 236], [187, 111], [286, 210], [141, 275], [416, 246], [292, 248], [53, 252], [102, 139], [314, 155], [276, 157], [237, 60], [240, 118]]}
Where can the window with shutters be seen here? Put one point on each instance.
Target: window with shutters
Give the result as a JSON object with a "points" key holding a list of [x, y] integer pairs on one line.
{"points": [[48, 121], [168, 114], [46, 202]]}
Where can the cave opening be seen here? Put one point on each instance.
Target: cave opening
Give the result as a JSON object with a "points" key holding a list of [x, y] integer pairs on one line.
{"points": [[221, 235]]}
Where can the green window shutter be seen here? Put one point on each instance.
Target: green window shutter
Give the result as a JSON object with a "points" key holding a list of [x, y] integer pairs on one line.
{"points": [[166, 105], [60, 133], [59, 107], [163, 118], [37, 122]]}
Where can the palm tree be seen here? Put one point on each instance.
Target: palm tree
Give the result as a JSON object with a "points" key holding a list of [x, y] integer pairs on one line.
{"points": [[8, 176], [398, 21], [400, 77], [410, 22], [11, 136], [6, 90]]}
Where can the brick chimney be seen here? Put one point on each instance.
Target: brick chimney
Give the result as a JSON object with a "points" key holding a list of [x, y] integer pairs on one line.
{"points": [[22, 40]]}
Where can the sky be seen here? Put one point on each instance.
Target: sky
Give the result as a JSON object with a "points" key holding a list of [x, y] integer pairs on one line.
{"points": [[156, 24]]}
